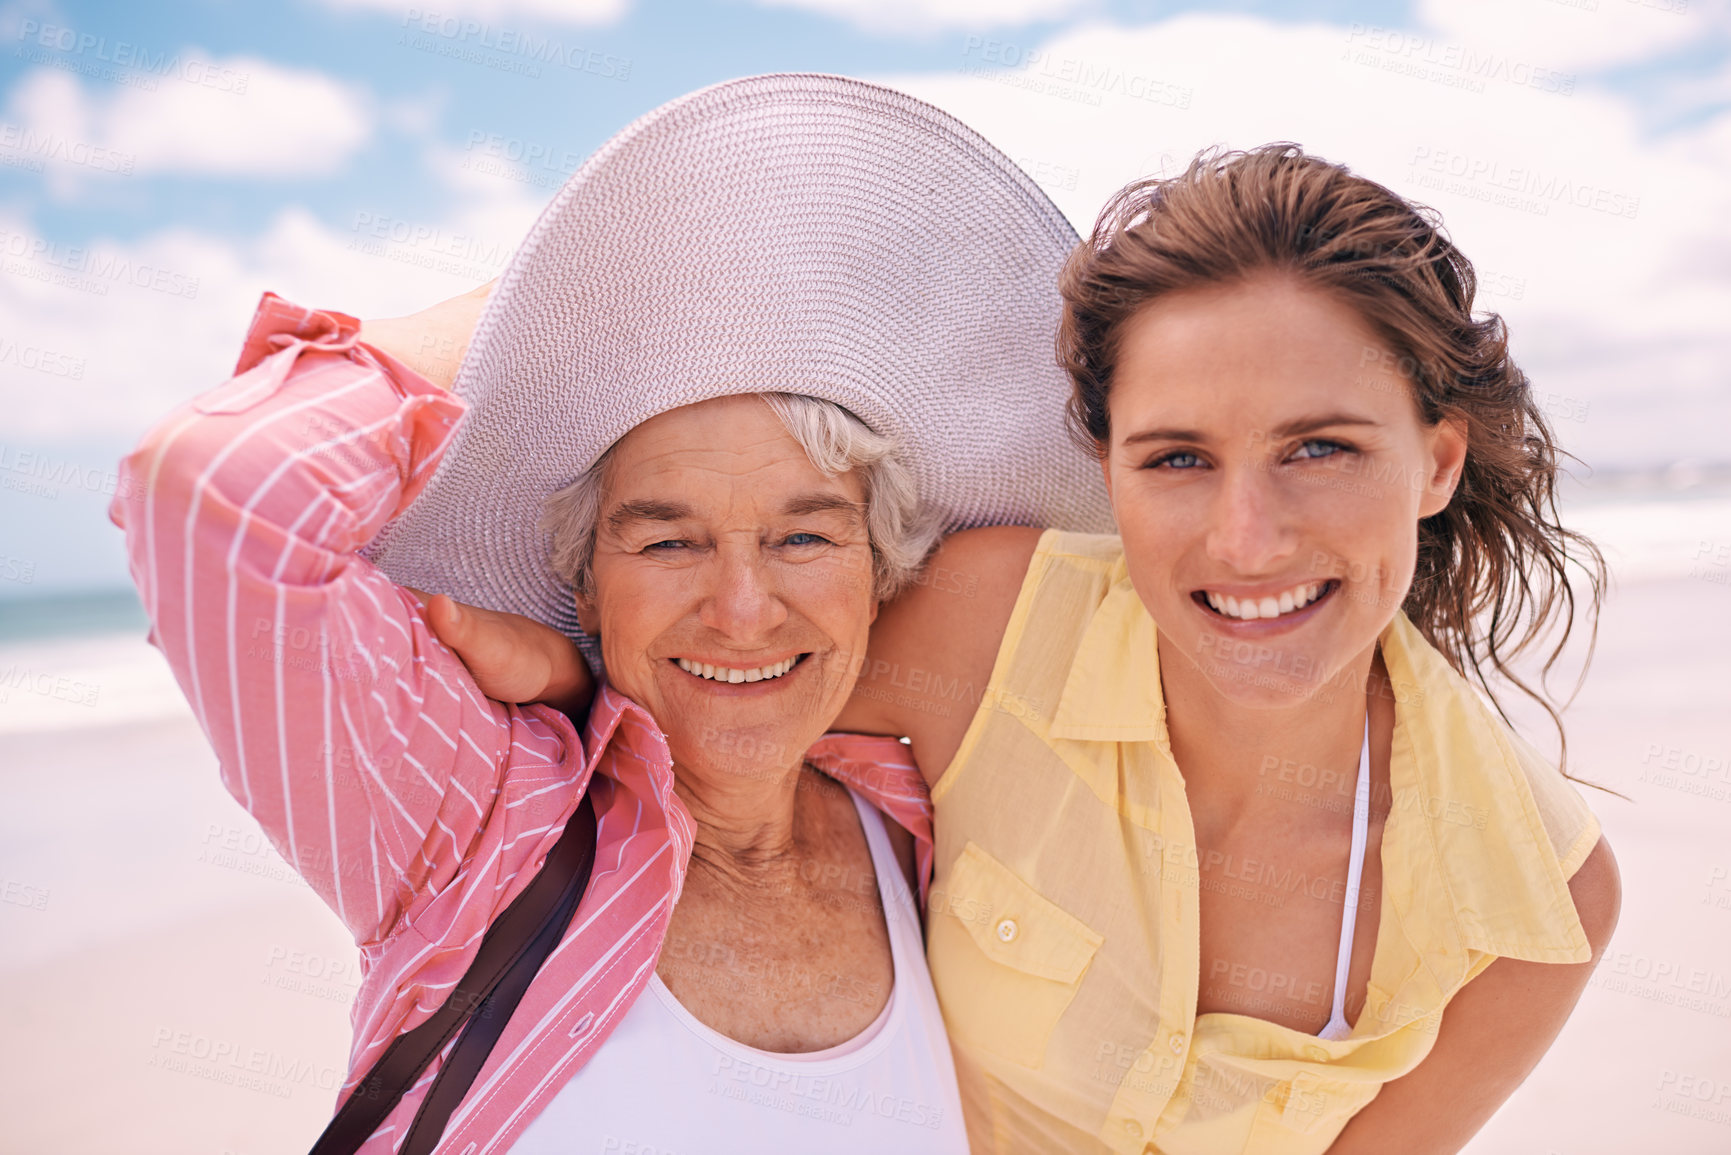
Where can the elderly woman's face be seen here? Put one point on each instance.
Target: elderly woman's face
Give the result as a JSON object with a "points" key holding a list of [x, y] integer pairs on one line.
{"points": [[733, 585]]}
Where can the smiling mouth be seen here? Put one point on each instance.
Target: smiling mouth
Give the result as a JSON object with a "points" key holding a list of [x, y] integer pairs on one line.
{"points": [[734, 675], [1279, 605]]}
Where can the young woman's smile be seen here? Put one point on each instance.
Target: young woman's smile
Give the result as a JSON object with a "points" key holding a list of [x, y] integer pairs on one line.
{"points": [[1259, 612]]}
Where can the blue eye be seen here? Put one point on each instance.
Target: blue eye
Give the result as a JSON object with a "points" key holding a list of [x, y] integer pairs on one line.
{"points": [[661, 545], [805, 539], [1183, 459], [1318, 449]]}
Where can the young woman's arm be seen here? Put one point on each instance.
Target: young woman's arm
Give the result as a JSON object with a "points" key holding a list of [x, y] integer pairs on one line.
{"points": [[512, 658], [1493, 1033], [932, 649]]}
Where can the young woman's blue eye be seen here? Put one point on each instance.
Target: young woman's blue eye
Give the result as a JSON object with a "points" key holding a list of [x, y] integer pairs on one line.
{"points": [[1183, 459], [1318, 448]]}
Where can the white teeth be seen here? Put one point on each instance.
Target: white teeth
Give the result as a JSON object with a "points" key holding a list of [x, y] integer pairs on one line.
{"points": [[1252, 609], [733, 676]]}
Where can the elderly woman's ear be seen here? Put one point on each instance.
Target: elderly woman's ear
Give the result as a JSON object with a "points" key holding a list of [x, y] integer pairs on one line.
{"points": [[512, 658]]}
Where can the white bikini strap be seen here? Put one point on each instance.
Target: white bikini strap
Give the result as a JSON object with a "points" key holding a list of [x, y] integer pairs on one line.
{"points": [[1337, 1025]]}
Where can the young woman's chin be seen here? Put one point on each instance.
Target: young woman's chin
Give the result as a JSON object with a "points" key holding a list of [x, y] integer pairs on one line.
{"points": [[1265, 677], [1270, 664]]}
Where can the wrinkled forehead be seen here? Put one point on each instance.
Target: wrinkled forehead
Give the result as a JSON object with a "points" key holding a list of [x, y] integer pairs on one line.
{"points": [[728, 453]]}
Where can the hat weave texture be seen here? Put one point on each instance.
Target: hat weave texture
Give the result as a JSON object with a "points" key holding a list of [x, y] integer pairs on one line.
{"points": [[793, 233]]}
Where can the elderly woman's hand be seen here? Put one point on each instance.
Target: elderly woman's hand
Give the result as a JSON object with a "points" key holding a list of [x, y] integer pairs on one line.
{"points": [[512, 658]]}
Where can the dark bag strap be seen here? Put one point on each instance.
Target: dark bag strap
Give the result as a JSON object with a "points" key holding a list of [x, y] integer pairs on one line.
{"points": [[511, 953]]}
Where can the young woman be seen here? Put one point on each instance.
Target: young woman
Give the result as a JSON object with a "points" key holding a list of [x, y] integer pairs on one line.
{"points": [[1230, 856]]}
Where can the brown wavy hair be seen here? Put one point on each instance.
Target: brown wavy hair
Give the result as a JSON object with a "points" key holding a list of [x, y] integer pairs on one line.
{"points": [[1492, 574]]}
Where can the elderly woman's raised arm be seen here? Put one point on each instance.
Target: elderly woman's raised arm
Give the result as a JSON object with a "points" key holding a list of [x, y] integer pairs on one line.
{"points": [[357, 740]]}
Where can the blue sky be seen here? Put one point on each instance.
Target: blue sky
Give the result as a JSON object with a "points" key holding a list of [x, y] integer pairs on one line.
{"points": [[669, 47], [331, 150], [672, 47]]}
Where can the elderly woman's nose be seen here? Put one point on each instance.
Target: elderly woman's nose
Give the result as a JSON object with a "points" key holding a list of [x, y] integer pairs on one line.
{"points": [[742, 601]]}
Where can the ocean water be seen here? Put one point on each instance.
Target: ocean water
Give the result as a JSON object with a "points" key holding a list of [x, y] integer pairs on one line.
{"points": [[116, 611]]}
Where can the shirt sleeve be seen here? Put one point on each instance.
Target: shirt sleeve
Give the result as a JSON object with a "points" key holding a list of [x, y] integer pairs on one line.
{"points": [[355, 738], [1569, 823]]}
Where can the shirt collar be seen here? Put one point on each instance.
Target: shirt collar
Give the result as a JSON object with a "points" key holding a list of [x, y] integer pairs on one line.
{"points": [[1113, 691], [1465, 828]]}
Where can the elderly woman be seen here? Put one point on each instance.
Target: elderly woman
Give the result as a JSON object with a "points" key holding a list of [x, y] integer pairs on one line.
{"points": [[666, 379]]}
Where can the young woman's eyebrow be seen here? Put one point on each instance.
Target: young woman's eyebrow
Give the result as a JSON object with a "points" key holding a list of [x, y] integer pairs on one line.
{"points": [[1293, 428], [1302, 425], [1164, 435]]}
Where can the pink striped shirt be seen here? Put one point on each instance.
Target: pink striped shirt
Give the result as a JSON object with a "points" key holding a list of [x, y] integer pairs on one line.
{"points": [[414, 805]]}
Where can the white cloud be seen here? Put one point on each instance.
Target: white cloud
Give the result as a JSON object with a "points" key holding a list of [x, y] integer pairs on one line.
{"points": [[1581, 35], [98, 342], [438, 11], [1603, 246], [926, 16], [234, 116]]}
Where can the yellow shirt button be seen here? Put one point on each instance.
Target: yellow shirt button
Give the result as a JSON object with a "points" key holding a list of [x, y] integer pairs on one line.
{"points": [[1316, 1054], [1008, 930], [1133, 1128], [1177, 1044]]}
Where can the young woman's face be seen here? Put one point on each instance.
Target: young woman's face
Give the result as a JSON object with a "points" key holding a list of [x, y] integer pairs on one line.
{"points": [[1268, 469]]}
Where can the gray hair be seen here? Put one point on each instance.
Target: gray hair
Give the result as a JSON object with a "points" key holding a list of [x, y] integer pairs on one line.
{"points": [[901, 532]]}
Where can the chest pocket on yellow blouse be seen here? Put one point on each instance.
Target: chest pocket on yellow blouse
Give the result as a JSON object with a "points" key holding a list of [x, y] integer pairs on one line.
{"points": [[1031, 957], [1306, 1113]]}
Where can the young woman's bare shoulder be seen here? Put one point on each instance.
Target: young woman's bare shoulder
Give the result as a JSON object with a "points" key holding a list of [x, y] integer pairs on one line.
{"points": [[964, 595], [935, 644]]}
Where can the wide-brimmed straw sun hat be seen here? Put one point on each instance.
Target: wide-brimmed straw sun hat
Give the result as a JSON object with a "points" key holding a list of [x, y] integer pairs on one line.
{"points": [[789, 233]]}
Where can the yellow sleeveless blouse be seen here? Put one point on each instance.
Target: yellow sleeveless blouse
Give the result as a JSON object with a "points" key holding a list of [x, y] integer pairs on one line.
{"points": [[1062, 926]]}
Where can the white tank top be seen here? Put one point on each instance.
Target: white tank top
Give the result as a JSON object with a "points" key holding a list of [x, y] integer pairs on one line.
{"points": [[665, 1084]]}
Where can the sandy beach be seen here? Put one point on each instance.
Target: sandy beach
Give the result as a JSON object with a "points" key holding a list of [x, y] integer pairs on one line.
{"points": [[171, 987]]}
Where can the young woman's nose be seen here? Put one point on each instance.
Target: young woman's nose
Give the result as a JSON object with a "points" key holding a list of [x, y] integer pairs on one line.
{"points": [[1247, 529], [741, 603]]}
